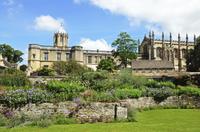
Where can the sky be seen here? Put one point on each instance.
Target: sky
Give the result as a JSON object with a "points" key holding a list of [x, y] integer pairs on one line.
{"points": [[94, 24]]}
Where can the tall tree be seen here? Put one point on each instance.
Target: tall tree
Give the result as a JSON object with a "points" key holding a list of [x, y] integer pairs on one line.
{"points": [[12, 55], [193, 58], [126, 49]]}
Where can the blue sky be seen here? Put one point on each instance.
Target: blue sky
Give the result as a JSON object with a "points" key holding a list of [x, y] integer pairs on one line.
{"points": [[92, 21]]}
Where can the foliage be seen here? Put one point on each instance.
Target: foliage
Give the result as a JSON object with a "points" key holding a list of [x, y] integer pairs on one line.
{"points": [[46, 72], [13, 77], [98, 81], [17, 120], [160, 94], [68, 87], [62, 120], [23, 68], [126, 48], [107, 64], [42, 123], [70, 67], [127, 93], [19, 98], [12, 55], [3, 120], [132, 114], [125, 77], [60, 67], [104, 97], [65, 90], [155, 84], [189, 90], [193, 58]]}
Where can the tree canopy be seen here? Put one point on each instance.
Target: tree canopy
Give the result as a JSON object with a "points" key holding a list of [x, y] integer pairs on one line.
{"points": [[12, 55], [107, 64], [193, 58], [126, 49]]}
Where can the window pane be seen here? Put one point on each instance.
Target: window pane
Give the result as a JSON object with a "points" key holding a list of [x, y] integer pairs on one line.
{"points": [[89, 59], [59, 56], [46, 57]]}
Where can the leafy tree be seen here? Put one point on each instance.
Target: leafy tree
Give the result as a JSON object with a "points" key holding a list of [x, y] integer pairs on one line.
{"points": [[45, 72], [193, 58], [107, 64], [23, 68], [60, 67], [126, 48], [69, 67], [12, 55]]}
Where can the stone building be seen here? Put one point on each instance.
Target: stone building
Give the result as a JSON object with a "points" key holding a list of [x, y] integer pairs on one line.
{"points": [[163, 52], [5, 64], [1, 62], [40, 56]]}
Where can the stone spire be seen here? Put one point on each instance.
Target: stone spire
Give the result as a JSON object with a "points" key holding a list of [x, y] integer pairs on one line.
{"points": [[163, 46], [179, 53], [170, 38], [195, 39]]}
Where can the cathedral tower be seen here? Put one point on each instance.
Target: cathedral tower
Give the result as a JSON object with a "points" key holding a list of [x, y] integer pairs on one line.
{"points": [[61, 38]]}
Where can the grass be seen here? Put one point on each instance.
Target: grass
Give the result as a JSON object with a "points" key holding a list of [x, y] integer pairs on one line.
{"points": [[169, 120]]}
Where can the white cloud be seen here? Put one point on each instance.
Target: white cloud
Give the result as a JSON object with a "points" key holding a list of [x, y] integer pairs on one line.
{"points": [[162, 15], [99, 44], [8, 2], [77, 1], [12, 7], [47, 23]]}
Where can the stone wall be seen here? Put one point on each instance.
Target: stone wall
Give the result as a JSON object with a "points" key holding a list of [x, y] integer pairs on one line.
{"points": [[106, 112]]}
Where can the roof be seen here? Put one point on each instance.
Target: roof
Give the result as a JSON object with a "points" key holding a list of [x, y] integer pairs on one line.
{"points": [[152, 64]]}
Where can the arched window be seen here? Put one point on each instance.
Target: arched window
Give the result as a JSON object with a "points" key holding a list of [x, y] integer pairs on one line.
{"points": [[168, 55], [176, 53], [159, 52], [184, 53]]}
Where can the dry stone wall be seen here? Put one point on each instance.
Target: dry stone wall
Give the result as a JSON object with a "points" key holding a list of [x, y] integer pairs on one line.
{"points": [[103, 112]]}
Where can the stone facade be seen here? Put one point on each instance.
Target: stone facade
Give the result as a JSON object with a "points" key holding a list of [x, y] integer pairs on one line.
{"points": [[167, 50], [1, 61], [43, 56], [104, 112]]}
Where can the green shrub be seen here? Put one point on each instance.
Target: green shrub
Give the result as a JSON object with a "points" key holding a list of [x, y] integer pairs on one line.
{"points": [[152, 84], [167, 85], [12, 77], [132, 114], [3, 120], [19, 98], [160, 94], [67, 87], [69, 68], [125, 77], [189, 90], [127, 93], [42, 123], [45, 72], [104, 97], [155, 84], [98, 81], [65, 90], [17, 120], [62, 120]]}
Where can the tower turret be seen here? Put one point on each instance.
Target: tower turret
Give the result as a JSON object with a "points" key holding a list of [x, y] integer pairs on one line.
{"points": [[61, 38]]}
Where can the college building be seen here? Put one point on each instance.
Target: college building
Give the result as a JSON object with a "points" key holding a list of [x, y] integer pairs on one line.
{"points": [[40, 56], [163, 55]]}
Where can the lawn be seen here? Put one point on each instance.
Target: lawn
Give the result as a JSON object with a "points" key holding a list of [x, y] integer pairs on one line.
{"points": [[148, 121]]}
